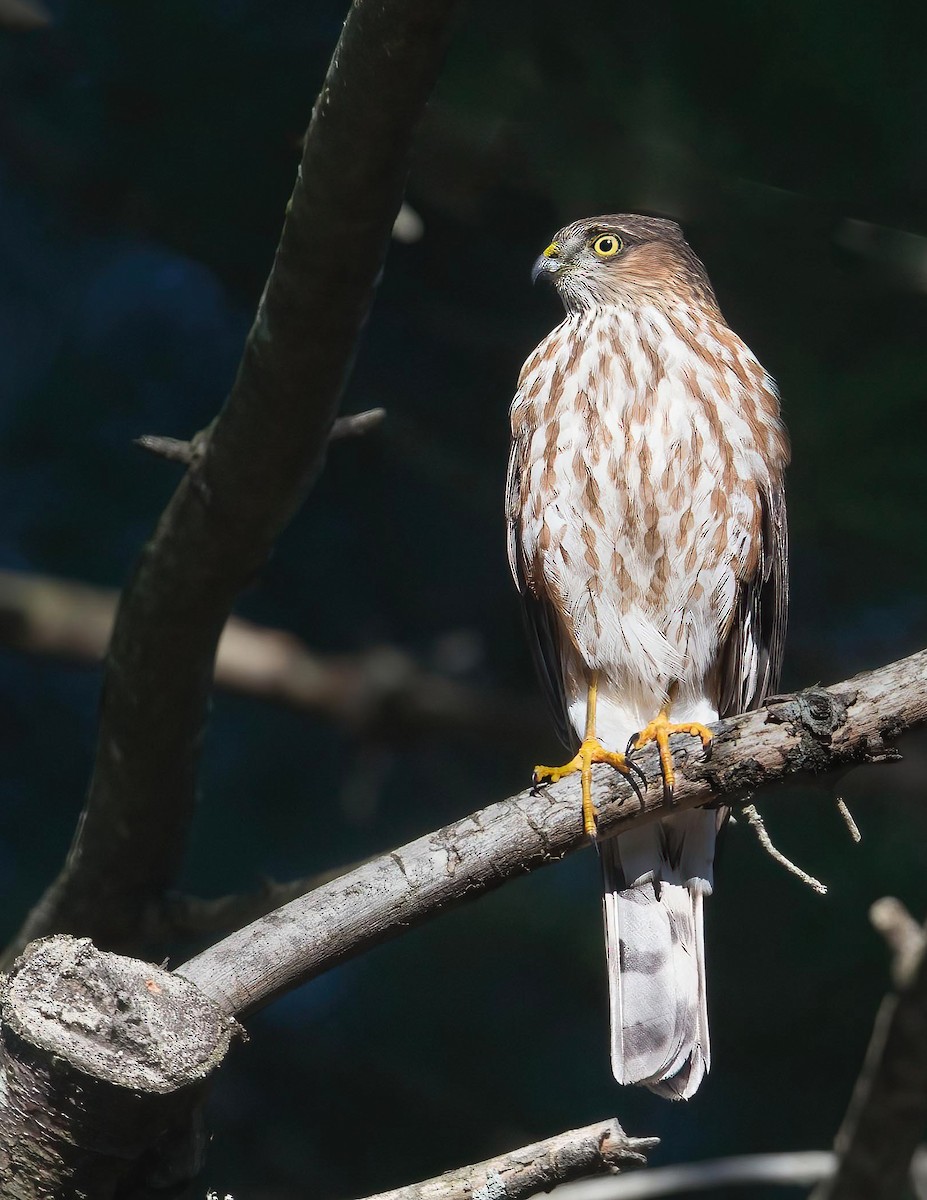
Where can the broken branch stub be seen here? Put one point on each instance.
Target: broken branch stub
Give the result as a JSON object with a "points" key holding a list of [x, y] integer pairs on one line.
{"points": [[119, 1051]]}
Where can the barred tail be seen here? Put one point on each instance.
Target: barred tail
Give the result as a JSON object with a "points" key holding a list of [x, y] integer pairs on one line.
{"points": [[654, 936]]}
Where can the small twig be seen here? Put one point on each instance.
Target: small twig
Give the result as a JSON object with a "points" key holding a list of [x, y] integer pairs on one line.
{"points": [[603, 1148], [794, 1168], [756, 821], [179, 451], [848, 818], [408, 226], [356, 424], [171, 449]]}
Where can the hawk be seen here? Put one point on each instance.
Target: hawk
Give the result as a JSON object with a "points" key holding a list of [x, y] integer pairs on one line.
{"points": [[647, 537]]}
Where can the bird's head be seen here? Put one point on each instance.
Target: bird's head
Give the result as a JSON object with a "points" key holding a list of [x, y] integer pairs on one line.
{"points": [[623, 260]]}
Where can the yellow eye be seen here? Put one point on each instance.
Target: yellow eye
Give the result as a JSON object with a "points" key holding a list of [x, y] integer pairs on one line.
{"points": [[608, 245]]}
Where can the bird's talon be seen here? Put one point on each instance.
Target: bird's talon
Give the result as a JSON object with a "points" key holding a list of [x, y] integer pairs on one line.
{"points": [[636, 787], [590, 752], [660, 730], [632, 766]]}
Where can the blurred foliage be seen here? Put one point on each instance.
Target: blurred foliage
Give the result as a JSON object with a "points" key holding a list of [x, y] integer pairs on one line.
{"points": [[146, 155]]}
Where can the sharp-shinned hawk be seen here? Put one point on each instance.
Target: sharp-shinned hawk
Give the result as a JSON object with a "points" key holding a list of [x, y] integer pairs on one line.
{"points": [[647, 537]]}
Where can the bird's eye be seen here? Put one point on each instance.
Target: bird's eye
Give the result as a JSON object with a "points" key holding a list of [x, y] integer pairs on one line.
{"points": [[607, 245]]}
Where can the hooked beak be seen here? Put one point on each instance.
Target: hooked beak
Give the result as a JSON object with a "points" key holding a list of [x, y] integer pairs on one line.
{"points": [[547, 264]]}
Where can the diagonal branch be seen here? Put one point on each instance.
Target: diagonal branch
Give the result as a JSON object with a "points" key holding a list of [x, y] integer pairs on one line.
{"points": [[381, 690], [259, 458], [182, 917], [598, 1149], [817, 730]]}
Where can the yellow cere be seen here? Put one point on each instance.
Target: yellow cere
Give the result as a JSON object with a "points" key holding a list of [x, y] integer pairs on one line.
{"points": [[551, 251]]}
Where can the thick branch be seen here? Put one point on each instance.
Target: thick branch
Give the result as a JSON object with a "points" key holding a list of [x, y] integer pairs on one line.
{"points": [[594, 1150], [182, 917], [259, 458], [851, 722], [887, 1114], [382, 690], [105, 1062]]}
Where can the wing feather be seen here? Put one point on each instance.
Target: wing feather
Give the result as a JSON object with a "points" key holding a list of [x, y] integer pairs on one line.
{"points": [[750, 658], [540, 617]]}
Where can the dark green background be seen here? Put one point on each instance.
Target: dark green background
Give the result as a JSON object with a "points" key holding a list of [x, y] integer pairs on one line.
{"points": [[146, 154]]}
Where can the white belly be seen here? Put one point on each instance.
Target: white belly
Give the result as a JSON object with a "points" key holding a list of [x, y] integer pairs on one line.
{"points": [[645, 520]]}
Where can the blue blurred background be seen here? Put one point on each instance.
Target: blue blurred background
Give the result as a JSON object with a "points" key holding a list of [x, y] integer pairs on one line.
{"points": [[146, 155]]}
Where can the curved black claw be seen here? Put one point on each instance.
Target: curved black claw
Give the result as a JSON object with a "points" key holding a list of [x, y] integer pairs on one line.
{"points": [[636, 789], [708, 751], [632, 766], [630, 748], [667, 794]]}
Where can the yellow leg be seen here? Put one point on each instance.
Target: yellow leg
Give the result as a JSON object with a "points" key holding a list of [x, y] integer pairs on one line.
{"points": [[590, 751], [660, 730]]}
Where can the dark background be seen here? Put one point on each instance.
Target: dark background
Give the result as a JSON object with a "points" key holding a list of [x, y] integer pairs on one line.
{"points": [[146, 155]]}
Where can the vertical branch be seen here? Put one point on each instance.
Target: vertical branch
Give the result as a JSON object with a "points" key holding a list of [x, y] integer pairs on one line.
{"points": [[250, 471]]}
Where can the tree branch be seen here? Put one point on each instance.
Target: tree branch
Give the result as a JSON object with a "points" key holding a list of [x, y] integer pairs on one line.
{"points": [[814, 731], [186, 453], [181, 916], [354, 425], [105, 1061], [595, 1149], [259, 458], [904, 937], [24, 14], [382, 690], [170, 449], [887, 1113], [792, 1168], [756, 823]]}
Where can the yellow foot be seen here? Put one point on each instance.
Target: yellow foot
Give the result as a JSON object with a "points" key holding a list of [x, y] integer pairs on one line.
{"points": [[660, 730], [591, 751]]}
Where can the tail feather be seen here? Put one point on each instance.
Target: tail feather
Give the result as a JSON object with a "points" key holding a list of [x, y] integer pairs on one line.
{"points": [[654, 934]]}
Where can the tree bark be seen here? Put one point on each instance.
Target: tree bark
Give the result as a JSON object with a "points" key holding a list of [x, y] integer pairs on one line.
{"points": [[251, 470], [104, 1062], [817, 730], [599, 1149]]}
